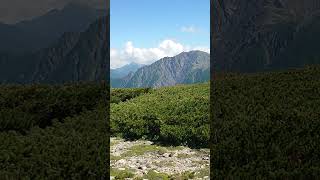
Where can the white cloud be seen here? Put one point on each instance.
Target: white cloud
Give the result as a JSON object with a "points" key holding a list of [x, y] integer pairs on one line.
{"points": [[189, 29], [130, 53]]}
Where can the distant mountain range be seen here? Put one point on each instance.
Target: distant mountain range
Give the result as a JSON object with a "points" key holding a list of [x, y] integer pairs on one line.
{"points": [[185, 68], [77, 50], [124, 70]]}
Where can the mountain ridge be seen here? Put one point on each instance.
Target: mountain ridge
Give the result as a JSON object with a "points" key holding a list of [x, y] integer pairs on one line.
{"points": [[85, 61], [184, 68], [123, 71], [73, 57]]}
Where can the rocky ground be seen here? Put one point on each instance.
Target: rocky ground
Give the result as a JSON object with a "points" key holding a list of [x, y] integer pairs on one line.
{"points": [[145, 160]]}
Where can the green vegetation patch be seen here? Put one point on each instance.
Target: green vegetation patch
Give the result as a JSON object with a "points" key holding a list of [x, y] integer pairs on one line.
{"points": [[164, 164], [156, 176], [74, 142], [121, 95], [115, 158], [202, 173], [115, 141], [121, 174], [142, 149], [267, 125], [172, 115], [25, 106]]}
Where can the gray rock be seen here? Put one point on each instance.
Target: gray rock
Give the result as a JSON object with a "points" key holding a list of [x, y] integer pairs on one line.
{"points": [[168, 162], [185, 68]]}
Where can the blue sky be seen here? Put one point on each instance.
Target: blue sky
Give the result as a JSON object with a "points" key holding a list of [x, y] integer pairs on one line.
{"points": [[144, 30]]}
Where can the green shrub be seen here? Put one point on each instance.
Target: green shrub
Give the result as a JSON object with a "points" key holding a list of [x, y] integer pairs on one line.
{"points": [[267, 125], [120, 95], [26, 106], [75, 149], [171, 115], [59, 132]]}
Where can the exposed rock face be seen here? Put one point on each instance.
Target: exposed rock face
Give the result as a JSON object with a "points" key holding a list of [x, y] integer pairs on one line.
{"points": [[78, 57], [51, 58], [74, 57], [259, 35], [67, 45], [185, 68], [120, 82]]}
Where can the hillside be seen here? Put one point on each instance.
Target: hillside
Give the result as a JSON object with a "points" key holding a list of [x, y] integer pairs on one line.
{"points": [[264, 35], [184, 68], [266, 125], [53, 131], [84, 60], [74, 57], [173, 115], [160, 123]]}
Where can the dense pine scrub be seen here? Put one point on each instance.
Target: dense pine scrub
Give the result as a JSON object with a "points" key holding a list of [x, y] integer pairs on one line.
{"points": [[120, 95], [267, 125], [73, 143], [26, 106], [176, 115]]}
